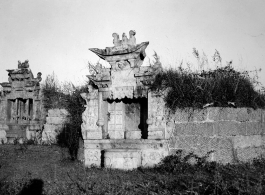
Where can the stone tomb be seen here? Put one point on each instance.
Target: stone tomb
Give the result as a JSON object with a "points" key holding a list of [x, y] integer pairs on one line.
{"points": [[21, 113], [123, 125]]}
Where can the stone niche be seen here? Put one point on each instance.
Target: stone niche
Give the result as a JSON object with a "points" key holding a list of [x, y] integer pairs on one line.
{"points": [[21, 114], [123, 125]]}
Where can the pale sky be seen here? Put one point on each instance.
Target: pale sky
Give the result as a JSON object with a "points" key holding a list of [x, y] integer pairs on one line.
{"points": [[54, 35]]}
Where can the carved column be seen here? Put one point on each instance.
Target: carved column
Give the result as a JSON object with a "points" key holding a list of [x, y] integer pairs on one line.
{"points": [[100, 121], [15, 115], [90, 117], [27, 109], [155, 121]]}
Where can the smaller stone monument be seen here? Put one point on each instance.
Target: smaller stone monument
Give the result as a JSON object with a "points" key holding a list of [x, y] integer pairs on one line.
{"points": [[21, 113]]}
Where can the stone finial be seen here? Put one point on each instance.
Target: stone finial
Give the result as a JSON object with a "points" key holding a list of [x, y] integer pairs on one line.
{"points": [[132, 40], [39, 76], [24, 64], [124, 40], [116, 40]]}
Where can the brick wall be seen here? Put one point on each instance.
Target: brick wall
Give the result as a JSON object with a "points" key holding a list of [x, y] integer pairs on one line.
{"points": [[232, 133]]}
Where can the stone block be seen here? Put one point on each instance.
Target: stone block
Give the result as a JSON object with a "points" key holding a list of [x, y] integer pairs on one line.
{"points": [[133, 134], [150, 158], [213, 113], [93, 135], [225, 143], [116, 134], [186, 142], [255, 115], [55, 120], [246, 154], [57, 113], [199, 129], [156, 135], [229, 128], [225, 156], [189, 115], [254, 128], [247, 141], [125, 159], [92, 157], [35, 127], [203, 129], [52, 128], [3, 127], [2, 134], [227, 114], [183, 129], [243, 114]]}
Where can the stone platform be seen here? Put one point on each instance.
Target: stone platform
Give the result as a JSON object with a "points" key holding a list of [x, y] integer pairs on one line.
{"points": [[124, 154]]}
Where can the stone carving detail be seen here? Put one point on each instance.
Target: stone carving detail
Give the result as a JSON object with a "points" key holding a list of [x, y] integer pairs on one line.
{"points": [[124, 52], [156, 113], [90, 115], [152, 157], [92, 157], [125, 43], [132, 40], [24, 64]]}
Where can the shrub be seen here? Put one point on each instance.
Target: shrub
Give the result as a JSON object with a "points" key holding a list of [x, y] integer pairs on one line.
{"points": [[221, 87], [53, 97], [66, 96], [71, 133]]}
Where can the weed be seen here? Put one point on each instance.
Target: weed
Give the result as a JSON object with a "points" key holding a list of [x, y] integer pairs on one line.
{"points": [[223, 87]]}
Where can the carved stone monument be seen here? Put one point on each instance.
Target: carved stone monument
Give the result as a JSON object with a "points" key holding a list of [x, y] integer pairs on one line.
{"points": [[123, 121], [21, 113]]}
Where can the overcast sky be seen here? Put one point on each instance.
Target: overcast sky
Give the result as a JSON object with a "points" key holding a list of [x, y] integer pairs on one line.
{"points": [[55, 35]]}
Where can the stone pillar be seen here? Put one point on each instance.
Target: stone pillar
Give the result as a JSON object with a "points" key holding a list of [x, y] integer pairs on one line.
{"points": [[100, 121], [155, 121], [15, 113], [90, 117], [27, 109]]}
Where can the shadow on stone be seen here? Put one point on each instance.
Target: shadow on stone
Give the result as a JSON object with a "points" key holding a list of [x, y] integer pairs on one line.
{"points": [[35, 186]]}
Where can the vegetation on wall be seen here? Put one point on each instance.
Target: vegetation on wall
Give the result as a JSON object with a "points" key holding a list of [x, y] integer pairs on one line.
{"points": [[66, 96], [53, 96], [221, 87]]}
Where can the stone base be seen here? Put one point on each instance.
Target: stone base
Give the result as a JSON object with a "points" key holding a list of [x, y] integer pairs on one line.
{"points": [[133, 134], [125, 159], [116, 134], [124, 153], [3, 137], [92, 157]]}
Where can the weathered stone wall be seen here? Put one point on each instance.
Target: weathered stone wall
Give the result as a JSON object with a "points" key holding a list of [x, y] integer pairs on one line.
{"points": [[54, 123], [233, 134]]}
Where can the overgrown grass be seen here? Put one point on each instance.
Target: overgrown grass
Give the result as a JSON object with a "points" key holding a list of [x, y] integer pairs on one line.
{"points": [[221, 87], [46, 170]]}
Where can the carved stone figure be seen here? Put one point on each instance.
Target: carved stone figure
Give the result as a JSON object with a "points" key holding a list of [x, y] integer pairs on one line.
{"points": [[124, 41], [132, 40], [39, 76], [116, 40]]}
